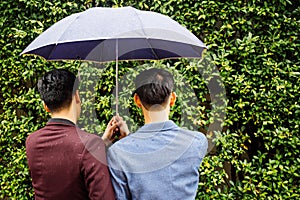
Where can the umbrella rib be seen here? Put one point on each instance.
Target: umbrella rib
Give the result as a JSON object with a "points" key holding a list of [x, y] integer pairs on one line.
{"points": [[57, 42], [68, 27], [146, 36]]}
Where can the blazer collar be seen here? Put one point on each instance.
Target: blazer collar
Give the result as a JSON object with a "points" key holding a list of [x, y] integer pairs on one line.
{"points": [[61, 121]]}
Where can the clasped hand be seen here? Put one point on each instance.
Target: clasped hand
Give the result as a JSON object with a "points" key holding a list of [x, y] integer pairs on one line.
{"points": [[116, 129]]}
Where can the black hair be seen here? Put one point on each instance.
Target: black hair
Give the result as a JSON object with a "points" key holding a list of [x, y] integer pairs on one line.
{"points": [[154, 86], [57, 87]]}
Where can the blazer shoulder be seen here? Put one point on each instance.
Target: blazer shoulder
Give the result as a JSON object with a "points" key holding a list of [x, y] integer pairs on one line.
{"points": [[33, 135], [90, 138]]}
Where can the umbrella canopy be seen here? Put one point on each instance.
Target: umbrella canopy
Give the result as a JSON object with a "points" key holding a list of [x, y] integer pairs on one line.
{"points": [[112, 34], [109, 34]]}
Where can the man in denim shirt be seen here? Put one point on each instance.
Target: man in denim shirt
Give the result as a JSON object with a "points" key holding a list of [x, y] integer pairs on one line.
{"points": [[160, 160]]}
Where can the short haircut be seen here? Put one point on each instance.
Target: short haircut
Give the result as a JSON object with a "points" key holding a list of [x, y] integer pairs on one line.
{"points": [[57, 87], [154, 86]]}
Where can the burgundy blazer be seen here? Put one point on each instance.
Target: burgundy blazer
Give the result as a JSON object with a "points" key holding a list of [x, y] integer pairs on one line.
{"points": [[67, 163]]}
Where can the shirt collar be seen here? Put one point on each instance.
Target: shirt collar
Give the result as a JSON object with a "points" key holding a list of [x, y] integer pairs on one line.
{"points": [[61, 121], [152, 129], [158, 126]]}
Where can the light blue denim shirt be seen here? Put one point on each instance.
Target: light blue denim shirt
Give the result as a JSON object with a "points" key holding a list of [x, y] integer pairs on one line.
{"points": [[159, 161]]}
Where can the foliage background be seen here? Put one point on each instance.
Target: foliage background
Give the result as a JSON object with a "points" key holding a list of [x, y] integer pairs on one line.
{"points": [[254, 44]]}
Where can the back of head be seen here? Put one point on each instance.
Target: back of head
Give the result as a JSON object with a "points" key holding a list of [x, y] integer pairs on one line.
{"points": [[57, 88], [154, 86]]}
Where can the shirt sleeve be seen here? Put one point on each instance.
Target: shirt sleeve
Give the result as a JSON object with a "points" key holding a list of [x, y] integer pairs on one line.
{"points": [[118, 176], [95, 171], [203, 146]]}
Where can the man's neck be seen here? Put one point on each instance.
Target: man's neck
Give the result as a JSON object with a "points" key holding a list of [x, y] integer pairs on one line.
{"points": [[65, 115], [156, 116]]}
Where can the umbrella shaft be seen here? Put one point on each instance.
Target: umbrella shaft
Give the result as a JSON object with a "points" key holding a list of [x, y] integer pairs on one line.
{"points": [[117, 74]]}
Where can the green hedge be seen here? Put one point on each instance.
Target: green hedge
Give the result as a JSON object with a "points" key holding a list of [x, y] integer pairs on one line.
{"points": [[254, 44]]}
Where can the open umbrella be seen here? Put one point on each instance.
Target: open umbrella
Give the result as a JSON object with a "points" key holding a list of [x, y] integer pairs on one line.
{"points": [[112, 34]]}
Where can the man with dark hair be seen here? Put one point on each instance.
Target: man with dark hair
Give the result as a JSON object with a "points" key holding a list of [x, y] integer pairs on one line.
{"points": [[64, 161], [160, 160]]}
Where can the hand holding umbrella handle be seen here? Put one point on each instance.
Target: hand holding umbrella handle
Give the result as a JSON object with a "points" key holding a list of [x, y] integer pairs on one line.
{"points": [[115, 130]]}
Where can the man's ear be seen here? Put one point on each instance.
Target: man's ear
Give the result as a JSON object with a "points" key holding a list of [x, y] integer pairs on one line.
{"points": [[173, 99], [137, 100], [77, 97], [46, 107]]}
